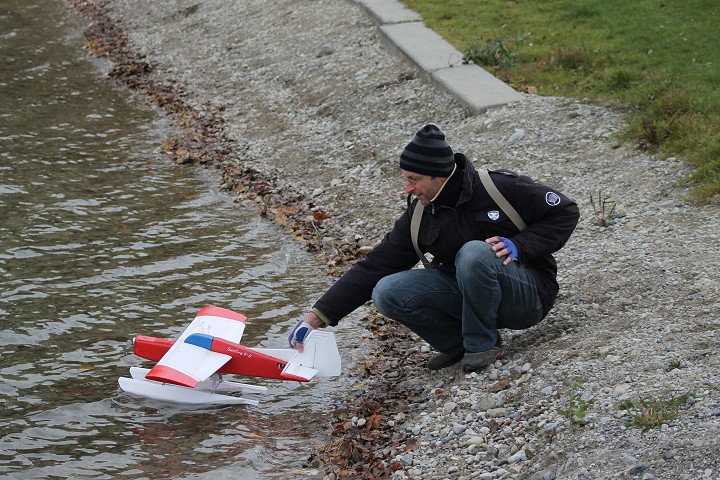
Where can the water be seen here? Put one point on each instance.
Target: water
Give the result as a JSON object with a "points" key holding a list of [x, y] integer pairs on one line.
{"points": [[101, 239]]}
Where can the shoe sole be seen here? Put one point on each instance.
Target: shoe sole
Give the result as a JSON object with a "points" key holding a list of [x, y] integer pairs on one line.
{"points": [[498, 356]]}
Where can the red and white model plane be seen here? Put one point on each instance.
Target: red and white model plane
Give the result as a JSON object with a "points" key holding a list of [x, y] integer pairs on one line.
{"points": [[189, 369]]}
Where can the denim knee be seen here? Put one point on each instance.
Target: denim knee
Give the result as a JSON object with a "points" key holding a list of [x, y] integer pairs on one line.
{"points": [[379, 294], [473, 254]]}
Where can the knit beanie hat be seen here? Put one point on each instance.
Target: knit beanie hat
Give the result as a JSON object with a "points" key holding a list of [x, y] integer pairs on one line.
{"points": [[428, 153]]}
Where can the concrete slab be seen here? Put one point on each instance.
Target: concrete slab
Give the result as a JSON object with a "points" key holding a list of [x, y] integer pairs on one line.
{"points": [[422, 46], [389, 11], [475, 88], [403, 31]]}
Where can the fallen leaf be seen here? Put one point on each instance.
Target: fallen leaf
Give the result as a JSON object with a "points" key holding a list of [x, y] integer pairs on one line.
{"points": [[501, 384], [319, 216], [374, 420]]}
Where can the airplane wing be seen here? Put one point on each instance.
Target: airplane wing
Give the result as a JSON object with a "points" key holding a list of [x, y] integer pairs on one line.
{"points": [[186, 364]]}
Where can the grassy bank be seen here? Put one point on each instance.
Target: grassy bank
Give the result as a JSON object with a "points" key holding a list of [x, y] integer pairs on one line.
{"points": [[659, 59]]}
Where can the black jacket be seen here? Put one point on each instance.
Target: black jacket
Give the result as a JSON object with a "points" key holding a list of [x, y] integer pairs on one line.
{"points": [[550, 217]]}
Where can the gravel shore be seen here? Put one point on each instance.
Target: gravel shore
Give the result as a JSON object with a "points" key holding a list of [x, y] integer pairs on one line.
{"points": [[313, 100]]}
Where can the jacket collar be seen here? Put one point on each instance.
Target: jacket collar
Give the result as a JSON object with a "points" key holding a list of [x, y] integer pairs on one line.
{"points": [[468, 172], [459, 186]]}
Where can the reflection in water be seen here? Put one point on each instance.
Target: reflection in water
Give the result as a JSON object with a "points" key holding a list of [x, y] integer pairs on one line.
{"points": [[100, 240]]}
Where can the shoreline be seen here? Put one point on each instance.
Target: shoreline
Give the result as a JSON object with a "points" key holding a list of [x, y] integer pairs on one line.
{"points": [[201, 141], [306, 123]]}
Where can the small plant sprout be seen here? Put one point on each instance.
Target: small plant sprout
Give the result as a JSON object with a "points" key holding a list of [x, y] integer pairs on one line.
{"points": [[647, 413], [577, 404], [501, 54], [604, 209]]}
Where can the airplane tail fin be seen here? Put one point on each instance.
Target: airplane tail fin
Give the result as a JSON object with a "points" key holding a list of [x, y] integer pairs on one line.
{"points": [[319, 357]]}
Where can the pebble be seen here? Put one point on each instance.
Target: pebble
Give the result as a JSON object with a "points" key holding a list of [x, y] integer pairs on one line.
{"points": [[497, 412]]}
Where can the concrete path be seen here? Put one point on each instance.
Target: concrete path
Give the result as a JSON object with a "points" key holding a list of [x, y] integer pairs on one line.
{"points": [[404, 31]]}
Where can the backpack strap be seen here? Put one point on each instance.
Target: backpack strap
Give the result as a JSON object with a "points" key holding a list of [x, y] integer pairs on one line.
{"points": [[415, 228], [501, 200]]}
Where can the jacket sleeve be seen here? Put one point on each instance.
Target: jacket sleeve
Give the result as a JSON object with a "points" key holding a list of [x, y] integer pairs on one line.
{"points": [[551, 217], [393, 254]]}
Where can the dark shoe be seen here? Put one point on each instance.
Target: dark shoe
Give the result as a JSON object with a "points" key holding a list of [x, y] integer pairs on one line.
{"points": [[475, 361], [444, 360]]}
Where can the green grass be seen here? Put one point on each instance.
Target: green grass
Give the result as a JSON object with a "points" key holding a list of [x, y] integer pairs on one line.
{"points": [[647, 413], [658, 59]]}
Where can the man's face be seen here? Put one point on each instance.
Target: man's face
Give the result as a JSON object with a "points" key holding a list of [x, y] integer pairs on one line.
{"points": [[423, 187]]}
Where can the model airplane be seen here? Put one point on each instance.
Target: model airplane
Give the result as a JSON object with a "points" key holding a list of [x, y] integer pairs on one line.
{"points": [[189, 369]]}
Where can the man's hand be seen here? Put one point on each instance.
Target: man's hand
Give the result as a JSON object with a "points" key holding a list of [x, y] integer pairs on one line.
{"points": [[503, 247], [302, 330], [298, 334]]}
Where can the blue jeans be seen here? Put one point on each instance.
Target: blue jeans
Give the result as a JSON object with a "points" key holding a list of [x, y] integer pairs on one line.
{"points": [[461, 311]]}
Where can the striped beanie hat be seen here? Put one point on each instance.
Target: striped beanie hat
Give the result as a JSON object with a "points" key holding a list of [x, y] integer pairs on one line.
{"points": [[428, 153]]}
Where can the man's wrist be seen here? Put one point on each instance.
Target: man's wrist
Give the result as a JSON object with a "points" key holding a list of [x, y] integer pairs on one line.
{"points": [[316, 319]]}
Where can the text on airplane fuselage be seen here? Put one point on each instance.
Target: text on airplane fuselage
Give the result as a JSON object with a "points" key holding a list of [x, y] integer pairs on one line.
{"points": [[239, 352]]}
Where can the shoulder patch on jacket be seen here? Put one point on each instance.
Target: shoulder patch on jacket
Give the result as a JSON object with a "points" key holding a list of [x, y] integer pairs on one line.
{"points": [[552, 199]]}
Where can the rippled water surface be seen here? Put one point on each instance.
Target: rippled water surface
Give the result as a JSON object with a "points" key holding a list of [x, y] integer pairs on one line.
{"points": [[102, 239]]}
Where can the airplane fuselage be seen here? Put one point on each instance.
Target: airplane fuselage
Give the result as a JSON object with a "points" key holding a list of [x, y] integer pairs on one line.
{"points": [[244, 361]]}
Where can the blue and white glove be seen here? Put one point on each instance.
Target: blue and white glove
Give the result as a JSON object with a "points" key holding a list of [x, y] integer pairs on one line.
{"points": [[299, 333], [511, 248]]}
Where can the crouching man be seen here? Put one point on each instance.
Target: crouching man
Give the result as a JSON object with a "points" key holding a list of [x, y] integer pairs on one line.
{"points": [[492, 261]]}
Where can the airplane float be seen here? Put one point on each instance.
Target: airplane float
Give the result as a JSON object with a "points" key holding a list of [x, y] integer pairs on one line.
{"points": [[189, 370]]}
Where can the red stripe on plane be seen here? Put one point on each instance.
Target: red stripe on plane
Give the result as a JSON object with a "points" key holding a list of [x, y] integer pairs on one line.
{"points": [[165, 374], [213, 311], [290, 376]]}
